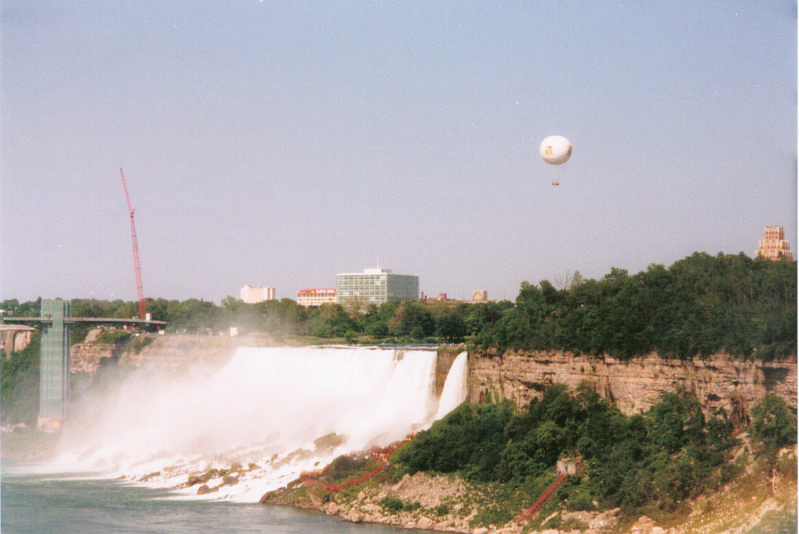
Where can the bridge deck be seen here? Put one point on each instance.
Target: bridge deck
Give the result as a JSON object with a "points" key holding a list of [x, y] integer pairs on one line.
{"points": [[92, 320]]}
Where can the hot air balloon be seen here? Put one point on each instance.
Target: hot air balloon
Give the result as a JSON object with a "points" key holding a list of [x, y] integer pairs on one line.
{"points": [[556, 149]]}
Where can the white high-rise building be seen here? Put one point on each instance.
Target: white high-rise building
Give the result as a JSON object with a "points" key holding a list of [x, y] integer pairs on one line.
{"points": [[376, 286], [253, 295]]}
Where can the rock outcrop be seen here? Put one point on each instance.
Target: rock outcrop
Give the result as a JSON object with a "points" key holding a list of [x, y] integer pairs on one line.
{"points": [[719, 381], [160, 352], [176, 351], [426, 502], [86, 357]]}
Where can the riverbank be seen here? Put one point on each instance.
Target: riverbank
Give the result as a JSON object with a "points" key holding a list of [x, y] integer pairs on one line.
{"points": [[752, 502]]}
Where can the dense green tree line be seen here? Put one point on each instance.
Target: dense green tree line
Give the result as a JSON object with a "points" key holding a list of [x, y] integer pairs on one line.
{"points": [[661, 457], [699, 305], [390, 322]]}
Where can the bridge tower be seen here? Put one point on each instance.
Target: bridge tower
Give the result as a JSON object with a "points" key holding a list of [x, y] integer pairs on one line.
{"points": [[54, 364]]}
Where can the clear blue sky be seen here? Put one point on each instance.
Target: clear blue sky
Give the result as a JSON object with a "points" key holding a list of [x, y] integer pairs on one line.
{"points": [[278, 143]]}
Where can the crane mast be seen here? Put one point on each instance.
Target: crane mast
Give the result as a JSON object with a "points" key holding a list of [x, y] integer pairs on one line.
{"points": [[136, 263]]}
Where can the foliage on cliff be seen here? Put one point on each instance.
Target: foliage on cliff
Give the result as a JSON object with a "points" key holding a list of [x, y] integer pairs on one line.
{"points": [[700, 305], [20, 384], [660, 458], [481, 466]]}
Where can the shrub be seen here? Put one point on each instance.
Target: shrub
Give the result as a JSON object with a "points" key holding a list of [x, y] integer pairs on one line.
{"points": [[392, 504], [113, 336], [138, 343], [660, 458], [442, 509], [20, 384], [470, 439], [345, 467], [491, 516], [773, 424]]}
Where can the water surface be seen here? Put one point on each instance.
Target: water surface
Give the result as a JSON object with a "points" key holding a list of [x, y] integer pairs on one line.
{"points": [[38, 502]]}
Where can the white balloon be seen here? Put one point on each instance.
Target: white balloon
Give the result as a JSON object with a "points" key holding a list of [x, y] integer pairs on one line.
{"points": [[556, 149]]}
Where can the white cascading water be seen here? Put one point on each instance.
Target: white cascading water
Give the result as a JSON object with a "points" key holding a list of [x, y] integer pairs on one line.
{"points": [[264, 410], [456, 386]]}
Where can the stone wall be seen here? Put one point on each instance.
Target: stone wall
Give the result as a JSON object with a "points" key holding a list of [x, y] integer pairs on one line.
{"points": [[635, 385]]}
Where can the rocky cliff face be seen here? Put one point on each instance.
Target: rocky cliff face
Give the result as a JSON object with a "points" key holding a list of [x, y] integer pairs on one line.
{"points": [[86, 357], [635, 385], [172, 352], [165, 352]]}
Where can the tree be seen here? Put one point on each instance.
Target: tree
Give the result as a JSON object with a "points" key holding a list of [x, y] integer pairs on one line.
{"points": [[376, 321], [451, 326], [332, 320], [357, 305], [676, 421], [773, 423], [700, 305], [192, 315], [413, 319]]}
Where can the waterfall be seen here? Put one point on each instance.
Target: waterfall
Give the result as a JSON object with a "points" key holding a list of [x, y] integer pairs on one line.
{"points": [[278, 410], [456, 386]]}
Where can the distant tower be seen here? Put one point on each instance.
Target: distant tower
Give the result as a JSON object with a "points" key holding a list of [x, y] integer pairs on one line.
{"points": [[54, 365], [479, 295], [773, 245]]}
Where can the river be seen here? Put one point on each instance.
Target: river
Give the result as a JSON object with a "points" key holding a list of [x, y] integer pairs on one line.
{"points": [[37, 501], [255, 424]]}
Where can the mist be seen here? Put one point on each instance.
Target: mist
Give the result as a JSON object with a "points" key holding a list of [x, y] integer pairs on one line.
{"points": [[277, 410]]}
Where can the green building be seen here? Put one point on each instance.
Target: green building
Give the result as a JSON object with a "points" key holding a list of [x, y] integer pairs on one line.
{"points": [[376, 286], [54, 364]]}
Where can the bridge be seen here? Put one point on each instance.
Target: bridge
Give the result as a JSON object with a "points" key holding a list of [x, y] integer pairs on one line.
{"points": [[147, 324], [54, 367]]}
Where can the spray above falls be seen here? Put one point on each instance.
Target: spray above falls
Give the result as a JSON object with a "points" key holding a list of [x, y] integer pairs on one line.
{"points": [[279, 410]]}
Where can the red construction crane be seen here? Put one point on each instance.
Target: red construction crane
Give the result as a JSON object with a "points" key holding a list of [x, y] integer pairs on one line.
{"points": [[136, 264]]}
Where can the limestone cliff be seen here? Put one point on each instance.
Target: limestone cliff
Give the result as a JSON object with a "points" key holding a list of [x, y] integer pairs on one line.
{"points": [[636, 384], [175, 351], [170, 352], [86, 357]]}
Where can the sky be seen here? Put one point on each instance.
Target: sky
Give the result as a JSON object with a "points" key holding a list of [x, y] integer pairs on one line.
{"points": [[278, 143]]}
